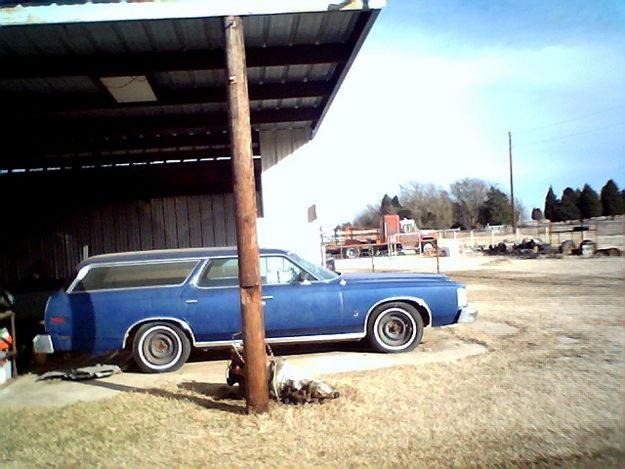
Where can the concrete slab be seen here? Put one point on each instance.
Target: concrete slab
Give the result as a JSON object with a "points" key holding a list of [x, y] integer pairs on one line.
{"points": [[437, 346]]}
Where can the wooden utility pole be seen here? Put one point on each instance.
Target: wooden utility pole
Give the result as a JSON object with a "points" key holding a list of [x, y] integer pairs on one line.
{"points": [[253, 326], [511, 183]]}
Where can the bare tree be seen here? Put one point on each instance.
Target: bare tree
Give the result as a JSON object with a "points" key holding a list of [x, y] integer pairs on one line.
{"points": [[469, 194], [430, 205], [368, 218]]}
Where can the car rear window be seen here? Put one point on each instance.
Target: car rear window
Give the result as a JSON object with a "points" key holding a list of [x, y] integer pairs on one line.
{"points": [[137, 275]]}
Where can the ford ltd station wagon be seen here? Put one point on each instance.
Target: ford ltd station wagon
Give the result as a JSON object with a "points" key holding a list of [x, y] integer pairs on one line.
{"points": [[160, 304]]}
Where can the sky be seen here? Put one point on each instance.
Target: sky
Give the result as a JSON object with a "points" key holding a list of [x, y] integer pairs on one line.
{"points": [[439, 83]]}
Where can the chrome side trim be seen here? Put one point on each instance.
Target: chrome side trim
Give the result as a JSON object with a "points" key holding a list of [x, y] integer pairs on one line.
{"points": [[180, 322], [419, 301], [288, 340]]}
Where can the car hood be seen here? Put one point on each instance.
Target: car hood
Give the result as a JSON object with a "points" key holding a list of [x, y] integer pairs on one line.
{"points": [[394, 277]]}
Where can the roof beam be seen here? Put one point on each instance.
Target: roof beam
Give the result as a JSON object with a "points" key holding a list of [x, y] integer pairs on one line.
{"points": [[150, 62], [21, 148], [62, 161], [58, 128], [166, 97]]}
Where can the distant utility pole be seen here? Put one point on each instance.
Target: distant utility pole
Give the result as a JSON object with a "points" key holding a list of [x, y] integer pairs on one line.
{"points": [[511, 183]]}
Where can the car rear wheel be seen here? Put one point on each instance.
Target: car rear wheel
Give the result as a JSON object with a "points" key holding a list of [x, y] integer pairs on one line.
{"points": [[159, 347], [395, 327]]}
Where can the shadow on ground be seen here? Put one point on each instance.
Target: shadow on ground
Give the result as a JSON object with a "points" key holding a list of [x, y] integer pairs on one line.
{"points": [[215, 393]]}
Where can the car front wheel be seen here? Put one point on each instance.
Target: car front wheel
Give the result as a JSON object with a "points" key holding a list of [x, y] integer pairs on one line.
{"points": [[159, 347], [395, 327]]}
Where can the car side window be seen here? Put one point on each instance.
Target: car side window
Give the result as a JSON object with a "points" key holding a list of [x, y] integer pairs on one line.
{"points": [[278, 270], [222, 272], [274, 270], [135, 275]]}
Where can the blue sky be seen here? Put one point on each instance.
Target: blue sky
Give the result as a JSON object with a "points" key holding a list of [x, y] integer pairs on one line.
{"points": [[438, 84]]}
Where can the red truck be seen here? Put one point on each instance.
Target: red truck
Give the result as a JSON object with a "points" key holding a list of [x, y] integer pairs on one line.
{"points": [[392, 236]]}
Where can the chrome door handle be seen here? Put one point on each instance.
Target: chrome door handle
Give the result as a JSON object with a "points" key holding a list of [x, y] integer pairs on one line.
{"points": [[268, 297], [189, 302]]}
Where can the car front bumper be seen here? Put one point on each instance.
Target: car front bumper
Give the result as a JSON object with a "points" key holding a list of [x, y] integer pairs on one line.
{"points": [[42, 343], [467, 315]]}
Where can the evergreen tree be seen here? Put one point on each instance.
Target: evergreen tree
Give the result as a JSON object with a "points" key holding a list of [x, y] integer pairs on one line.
{"points": [[537, 214], [395, 202], [551, 206], [611, 201], [589, 204], [568, 207], [404, 213], [496, 209], [386, 206]]}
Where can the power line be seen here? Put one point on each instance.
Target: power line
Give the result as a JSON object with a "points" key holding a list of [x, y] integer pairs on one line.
{"points": [[572, 119], [573, 134]]}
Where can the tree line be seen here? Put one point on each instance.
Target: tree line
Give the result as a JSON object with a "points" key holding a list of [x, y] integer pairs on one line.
{"points": [[468, 203], [575, 204]]}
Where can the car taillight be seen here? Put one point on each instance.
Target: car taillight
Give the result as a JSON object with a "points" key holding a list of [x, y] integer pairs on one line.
{"points": [[57, 320]]}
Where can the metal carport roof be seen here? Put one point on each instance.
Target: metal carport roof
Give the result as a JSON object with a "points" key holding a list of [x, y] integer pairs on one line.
{"points": [[57, 110]]}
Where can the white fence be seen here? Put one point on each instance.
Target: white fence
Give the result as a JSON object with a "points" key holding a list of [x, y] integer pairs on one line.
{"points": [[603, 231]]}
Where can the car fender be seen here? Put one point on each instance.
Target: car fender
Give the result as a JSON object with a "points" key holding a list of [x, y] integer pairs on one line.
{"points": [[420, 301], [185, 326]]}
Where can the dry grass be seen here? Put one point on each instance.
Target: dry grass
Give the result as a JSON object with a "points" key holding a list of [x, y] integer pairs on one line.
{"points": [[532, 400]]}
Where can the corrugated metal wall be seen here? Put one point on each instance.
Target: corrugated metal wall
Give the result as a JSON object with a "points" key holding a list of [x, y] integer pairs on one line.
{"points": [[278, 144], [54, 247]]}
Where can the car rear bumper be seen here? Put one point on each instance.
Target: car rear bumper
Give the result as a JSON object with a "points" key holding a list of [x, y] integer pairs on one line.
{"points": [[467, 315], [42, 343]]}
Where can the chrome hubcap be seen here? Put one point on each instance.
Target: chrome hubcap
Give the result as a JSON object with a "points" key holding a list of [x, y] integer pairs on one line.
{"points": [[160, 347], [395, 329]]}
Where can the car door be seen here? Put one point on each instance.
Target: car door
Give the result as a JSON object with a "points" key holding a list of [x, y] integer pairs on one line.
{"points": [[212, 301], [296, 303]]}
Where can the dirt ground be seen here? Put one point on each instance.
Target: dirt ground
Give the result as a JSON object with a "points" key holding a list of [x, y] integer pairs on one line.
{"points": [[548, 392]]}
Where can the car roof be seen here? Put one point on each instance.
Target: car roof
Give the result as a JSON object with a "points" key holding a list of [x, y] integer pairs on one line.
{"points": [[165, 254]]}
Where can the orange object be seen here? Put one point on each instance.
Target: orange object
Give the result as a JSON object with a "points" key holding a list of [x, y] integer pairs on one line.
{"points": [[5, 339]]}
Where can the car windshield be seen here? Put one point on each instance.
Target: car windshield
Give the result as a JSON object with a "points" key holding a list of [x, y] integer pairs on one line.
{"points": [[316, 270]]}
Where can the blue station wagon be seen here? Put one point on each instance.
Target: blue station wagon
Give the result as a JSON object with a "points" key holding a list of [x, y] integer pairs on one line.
{"points": [[160, 304]]}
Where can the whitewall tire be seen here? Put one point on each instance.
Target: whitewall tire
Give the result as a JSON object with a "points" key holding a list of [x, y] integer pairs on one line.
{"points": [[159, 347], [395, 327]]}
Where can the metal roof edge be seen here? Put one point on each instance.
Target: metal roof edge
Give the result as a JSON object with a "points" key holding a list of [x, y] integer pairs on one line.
{"points": [[169, 9], [348, 64]]}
